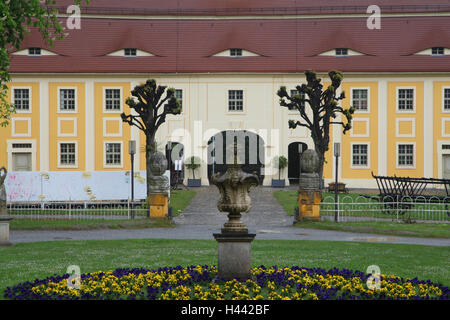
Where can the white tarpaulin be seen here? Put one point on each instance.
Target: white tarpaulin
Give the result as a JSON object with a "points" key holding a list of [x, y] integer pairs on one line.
{"points": [[75, 186]]}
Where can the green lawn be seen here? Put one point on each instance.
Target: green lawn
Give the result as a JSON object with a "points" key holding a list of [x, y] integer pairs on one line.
{"points": [[288, 200], [421, 230], [179, 200], [28, 261]]}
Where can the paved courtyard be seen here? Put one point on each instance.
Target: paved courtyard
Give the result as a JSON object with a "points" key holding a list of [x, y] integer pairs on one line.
{"points": [[265, 212]]}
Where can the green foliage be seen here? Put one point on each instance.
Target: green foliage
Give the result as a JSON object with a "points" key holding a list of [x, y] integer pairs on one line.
{"points": [[16, 19], [193, 163], [280, 163]]}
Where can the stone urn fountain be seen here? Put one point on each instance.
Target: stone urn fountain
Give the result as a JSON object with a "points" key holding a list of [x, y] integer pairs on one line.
{"points": [[234, 240], [4, 218]]}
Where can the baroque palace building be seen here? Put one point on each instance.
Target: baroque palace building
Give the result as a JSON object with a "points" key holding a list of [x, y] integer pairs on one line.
{"points": [[226, 60]]}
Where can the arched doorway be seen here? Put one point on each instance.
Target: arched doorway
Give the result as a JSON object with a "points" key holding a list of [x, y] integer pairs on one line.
{"points": [[295, 150], [175, 160], [250, 150]]}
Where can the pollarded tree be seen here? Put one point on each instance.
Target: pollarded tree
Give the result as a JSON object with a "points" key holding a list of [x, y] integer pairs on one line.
{"points": [[323, 109], [151, 109]]}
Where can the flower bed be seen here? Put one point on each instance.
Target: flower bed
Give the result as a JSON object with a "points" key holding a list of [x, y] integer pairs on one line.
{"points": [[201, 282]]}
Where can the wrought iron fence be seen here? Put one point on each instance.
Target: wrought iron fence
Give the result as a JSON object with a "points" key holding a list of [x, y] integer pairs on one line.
{"points": [[78, 210], [360, 208]]}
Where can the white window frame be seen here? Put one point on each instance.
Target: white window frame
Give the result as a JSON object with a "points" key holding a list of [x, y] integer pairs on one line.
{"points": [[30, 95], [10, 150], [34, 54], [104, 99], [237, 56], [354, 166], [443, 100], [368, 99], [397, 127], [13, 127], [367, 134], [341, 55], [243, 111], [438, 54], [295, 111], [71, 166], [106, 119], [397, 91], [130, 55], [105, 165], [75, 127], [397, 165], [58, 93]]}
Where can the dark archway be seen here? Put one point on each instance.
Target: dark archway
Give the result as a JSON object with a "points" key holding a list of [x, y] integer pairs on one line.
{"points": [[174, 154], [295, 150], [250, 148]]}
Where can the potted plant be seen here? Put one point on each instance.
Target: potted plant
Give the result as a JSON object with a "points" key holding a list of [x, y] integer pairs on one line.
{"points": [[280, 163], [193, 163]]}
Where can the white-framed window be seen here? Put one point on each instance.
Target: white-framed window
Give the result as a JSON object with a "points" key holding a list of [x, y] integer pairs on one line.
{"points": [[113, 152], [302, 95], [405, 155], [446, 99], [235, 100], [21, 99], [360, 99], [179, 96], [360, 155], [67, 154], [235, 52], [67, 100], [437, 51], [341, 51], [130, 52], [21, 154], [406, 99], [34, 51], [112, 100]]}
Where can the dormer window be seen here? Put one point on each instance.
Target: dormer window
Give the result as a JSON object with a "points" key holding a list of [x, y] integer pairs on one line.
{"points": [[236, 52], [341, 51], [34, 51], [130, 52], [437, 51]]}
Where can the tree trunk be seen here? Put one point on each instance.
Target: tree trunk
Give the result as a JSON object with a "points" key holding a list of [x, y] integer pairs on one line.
{"points": [[193, 173], [150, 148]]}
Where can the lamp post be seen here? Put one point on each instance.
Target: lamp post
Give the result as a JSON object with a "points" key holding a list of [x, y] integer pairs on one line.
{"points": [[337, 153], [132, 152]]}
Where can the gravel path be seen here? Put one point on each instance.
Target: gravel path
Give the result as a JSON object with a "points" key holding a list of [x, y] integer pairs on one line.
{"points": [[201, 219]]}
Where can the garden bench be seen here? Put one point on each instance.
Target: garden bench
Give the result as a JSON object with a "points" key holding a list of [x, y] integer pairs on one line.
{"points": [[341, 187]]}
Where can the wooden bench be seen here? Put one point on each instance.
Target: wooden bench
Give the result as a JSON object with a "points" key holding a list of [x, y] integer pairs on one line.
{"points": [[340, 185]]}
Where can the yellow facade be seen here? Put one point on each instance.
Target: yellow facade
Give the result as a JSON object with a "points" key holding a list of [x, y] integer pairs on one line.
{"points": [[67, 126], [441, 130], [413, 119], [383, 127], [24, 126], [109, 127], [364, 131]]}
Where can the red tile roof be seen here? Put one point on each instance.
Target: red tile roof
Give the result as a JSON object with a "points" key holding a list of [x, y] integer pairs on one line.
{"points": [[285, 45], [252, 7]]}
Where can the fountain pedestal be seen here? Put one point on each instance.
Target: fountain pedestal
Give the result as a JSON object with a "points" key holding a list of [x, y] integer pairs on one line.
{"points": [[4, 231], [234, 241], [234, 250], [4, 218]]}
